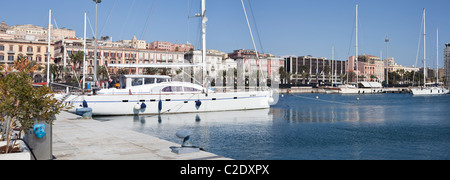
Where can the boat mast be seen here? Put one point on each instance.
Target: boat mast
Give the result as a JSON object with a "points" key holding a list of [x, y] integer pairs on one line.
{"points": [[84, 54], [437, 56], [332, 67], [204, 20], [356, 57], [48, 52], [424, 52]]}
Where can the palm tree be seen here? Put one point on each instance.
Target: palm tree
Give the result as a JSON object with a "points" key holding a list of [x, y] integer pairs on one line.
{"points": [[77, 59], [150, 71], [101, 71], [283, 74], [122, 71]]}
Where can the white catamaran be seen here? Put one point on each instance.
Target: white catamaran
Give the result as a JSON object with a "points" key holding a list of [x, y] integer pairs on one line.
{"points": [[152, 94]]}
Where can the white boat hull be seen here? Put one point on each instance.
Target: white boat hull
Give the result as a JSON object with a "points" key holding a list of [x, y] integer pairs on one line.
{"points": [[360, 90], [105, 105], [429, 91]]}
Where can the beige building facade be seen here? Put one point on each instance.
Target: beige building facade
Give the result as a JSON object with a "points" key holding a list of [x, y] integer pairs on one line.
{"points": [[11, 50]]}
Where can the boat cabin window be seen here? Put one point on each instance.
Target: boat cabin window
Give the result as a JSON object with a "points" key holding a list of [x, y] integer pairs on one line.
{"points": [[172, 89], [160, 80], [149, 81], [123, 82], [136, 81], [191, 89]]}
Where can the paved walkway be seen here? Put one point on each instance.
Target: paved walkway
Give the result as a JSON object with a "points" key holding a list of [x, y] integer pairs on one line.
{"points": [[79, 139]]}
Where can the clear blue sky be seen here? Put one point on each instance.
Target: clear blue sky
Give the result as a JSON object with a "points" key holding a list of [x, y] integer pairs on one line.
{"points": [[286, 27]]}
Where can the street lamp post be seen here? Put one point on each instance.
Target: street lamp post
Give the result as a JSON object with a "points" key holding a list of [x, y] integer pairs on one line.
{"points": [[95, 44]]}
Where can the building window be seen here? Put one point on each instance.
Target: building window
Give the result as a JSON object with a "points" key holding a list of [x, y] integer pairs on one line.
{"points": [[29, 49], [2, 57], [10, 58], [2, 47], [39, 49], [20, 48]]}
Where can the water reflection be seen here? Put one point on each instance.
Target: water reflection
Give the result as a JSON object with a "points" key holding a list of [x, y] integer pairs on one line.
{"points": [[330, 108], [207, 128], [334, 127]]}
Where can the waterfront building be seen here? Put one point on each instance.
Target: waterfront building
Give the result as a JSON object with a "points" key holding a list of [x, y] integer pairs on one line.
{"points": [[139, 44], [394, 67], [370, 68], [31, 32], [167, 46], [308, 69], [447, 63], [115, 53], [268, 67], [214, 63], [10, 50], [247, 54]]}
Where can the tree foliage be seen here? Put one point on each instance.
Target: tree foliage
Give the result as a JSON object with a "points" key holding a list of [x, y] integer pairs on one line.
{"points": [[21, 105]]}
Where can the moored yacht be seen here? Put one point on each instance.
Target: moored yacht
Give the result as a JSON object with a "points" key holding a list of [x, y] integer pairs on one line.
{"points": [[150, 94], [363, 88], [429, 89]]}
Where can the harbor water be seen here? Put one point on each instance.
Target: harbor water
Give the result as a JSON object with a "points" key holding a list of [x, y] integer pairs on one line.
{"points": [[314, 126]]}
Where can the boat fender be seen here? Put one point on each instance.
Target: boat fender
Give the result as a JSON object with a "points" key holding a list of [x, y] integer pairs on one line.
{"points": [[39, 130], [143, 106], [85, 104], [137, 106], [159, 106], [198, 103]]}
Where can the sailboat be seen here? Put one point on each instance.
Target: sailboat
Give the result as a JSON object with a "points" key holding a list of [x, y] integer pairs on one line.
{"points": [[359, 87], [429, 88], [155, 94]]}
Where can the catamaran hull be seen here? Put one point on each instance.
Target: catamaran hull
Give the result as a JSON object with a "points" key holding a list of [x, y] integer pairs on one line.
{"points": [[106, 105], [429, 91]]}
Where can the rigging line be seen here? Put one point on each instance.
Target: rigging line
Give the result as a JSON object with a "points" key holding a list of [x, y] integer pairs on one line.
{"points": [[198, 39], [351, 38], [107, 18], [250, 29], [148, 20], [253, 40], [188, 22], [418, 47], [90, 25], [256, 26], [128, 17]]}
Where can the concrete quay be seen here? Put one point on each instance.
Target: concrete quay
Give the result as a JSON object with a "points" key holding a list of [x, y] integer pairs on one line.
{"points": [[86, 139]]}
